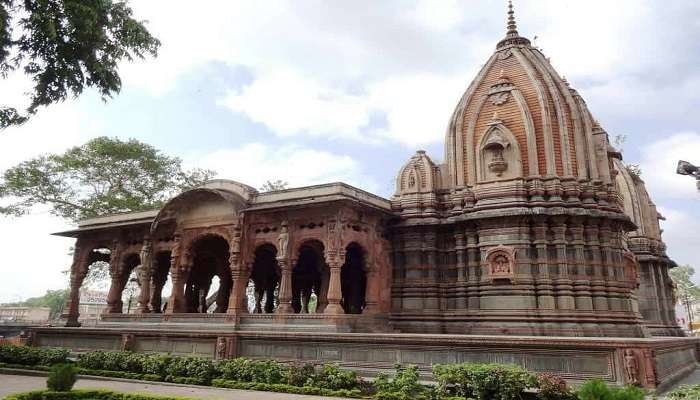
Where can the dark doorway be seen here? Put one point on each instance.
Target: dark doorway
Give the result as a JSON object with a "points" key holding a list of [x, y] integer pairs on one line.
{"points": [[353, 280]]}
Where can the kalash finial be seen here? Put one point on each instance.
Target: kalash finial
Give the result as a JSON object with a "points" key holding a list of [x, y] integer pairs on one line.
{"points": [[512, 36], [512, 26]]}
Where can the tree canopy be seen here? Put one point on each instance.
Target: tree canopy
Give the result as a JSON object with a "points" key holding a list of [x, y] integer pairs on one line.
{"points": [[65, 46], [54, 299], [271, 186], [682, 277], [103, 176]]}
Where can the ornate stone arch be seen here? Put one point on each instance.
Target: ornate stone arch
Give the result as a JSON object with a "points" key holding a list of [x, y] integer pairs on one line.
{"points": [[498, 155]]}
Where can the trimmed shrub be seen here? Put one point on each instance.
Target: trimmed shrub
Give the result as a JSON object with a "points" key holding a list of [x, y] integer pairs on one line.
{"points": [[404, 386], [112, 360], [484, 381], [334, 378], [25, 355], [283, 388], [245, 370], [62, 377], [156, 364], [685, 393], [553, 387], [299, 374], [596, 389], [190, 367], [89, 394]]}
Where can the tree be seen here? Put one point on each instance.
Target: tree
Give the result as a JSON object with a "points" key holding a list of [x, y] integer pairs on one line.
{"points": [[54, 299], [103, 176], [687, 291], [65, 46], [271, 186]]}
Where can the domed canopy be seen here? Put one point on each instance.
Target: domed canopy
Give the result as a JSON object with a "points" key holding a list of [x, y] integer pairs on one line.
{"points": [[418, 175], [545, 123], [217, 199]]}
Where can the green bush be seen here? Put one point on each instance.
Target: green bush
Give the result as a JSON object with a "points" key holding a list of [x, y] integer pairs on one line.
{"points": [[596, 389], [284, 388], [404, 386], [685, 393], [484, 381], [300, 374], [156, 364], [334, 378], [25, 355], [553, 387], [62, 377], [112, 360], [245, 370], [190, 367], [89, 394]]}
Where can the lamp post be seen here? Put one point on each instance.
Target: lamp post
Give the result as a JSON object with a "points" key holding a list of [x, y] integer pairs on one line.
{"points": [[686, 168]]}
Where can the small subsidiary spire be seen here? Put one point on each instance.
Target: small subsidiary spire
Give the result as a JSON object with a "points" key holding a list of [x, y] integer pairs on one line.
{"points": [[512, 36], [512, 26]]}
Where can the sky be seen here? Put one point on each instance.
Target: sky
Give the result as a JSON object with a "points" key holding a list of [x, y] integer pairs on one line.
{"points": [[315, 91]]}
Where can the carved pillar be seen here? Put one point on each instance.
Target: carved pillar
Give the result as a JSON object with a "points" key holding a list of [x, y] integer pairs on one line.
{"points": [[285, 293], [564, 287], [334, 291], [78, 271], [145, 273], [114, 301], [238, 301], [545, 290], [178, 274]]}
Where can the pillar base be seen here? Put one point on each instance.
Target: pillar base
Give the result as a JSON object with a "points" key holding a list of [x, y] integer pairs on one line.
{"points": [[284, 308], [334, 309]]}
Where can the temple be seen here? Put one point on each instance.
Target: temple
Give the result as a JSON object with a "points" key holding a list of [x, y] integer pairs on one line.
{"points": [[532, 243]]}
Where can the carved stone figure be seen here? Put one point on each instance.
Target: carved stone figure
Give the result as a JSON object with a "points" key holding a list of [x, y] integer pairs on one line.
{"points": [[127, 342], [221, 348], [283, 241], [631, 367]]}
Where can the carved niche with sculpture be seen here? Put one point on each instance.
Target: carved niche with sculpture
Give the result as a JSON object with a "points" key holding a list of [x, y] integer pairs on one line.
{"points": [[498, 153], [500, 263]]}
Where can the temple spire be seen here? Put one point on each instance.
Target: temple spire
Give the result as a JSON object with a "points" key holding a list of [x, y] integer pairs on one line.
{"points": [[512, 26]]}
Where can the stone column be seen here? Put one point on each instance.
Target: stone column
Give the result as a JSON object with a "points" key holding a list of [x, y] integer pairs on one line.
{"points": [[145, 273], [372, 291], [114, 302], [176, 304], [545, 289], [78, 271], [285, 293], [334, 288], [238, 302], [462, 273]]}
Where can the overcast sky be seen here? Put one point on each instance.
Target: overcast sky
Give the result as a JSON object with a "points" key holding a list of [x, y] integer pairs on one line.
{"points": [[313, 91]]}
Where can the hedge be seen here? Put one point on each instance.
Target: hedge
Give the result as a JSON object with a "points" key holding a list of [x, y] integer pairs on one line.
{"points": [[685, 392], [89, 394], [465, 381]]}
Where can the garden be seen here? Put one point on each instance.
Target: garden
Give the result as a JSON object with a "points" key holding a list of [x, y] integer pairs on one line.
{"points": [[456, 381]]}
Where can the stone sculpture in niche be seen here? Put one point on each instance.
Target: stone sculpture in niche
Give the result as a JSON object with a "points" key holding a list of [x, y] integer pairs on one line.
{"points": [[221, 348], [631, 367], [283, 241], [501, 263]]}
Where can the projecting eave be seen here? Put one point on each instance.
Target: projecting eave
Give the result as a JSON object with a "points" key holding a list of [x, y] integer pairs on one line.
{"points": [[110, 221]]}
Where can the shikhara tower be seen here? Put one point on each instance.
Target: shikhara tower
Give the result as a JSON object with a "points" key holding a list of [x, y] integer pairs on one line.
{"points": [[531, 244], [529, 174]]}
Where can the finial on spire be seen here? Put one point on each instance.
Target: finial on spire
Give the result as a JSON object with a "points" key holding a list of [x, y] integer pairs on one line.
{"points": [[512, 26]]}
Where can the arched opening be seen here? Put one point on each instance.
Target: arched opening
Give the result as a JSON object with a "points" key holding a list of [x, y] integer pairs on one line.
{"points": [[129, 284], [265, 277], [310, 278], [353, 280], [161, 269], [210, 256]]}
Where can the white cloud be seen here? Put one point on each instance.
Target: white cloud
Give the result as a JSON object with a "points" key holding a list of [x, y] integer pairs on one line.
{"points": [[256, 163], [659, 161], [680, 234]]}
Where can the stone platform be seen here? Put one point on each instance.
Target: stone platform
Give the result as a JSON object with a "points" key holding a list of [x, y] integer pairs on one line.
{"points": [[660, 361]]}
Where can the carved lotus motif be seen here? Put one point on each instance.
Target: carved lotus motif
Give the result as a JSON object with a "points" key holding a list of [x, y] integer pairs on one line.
{"points": [[499, 99]]}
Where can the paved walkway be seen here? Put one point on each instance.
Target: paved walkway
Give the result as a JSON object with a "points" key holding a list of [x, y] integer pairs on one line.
{"points": [[21, 383]]}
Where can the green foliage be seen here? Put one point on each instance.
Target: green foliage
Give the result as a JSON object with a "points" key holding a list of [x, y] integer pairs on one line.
{"points": [[682, 277], [103, 176], [190, 367], [404, 386], [65, 46], [245, 370], [26, 355], [125, 361], [299, 374], [88, 394], [685, 393], [333, 377], [596, 389], [155, 364], [53, 299], [484, 381], [62, 377], [271, 186], [553, 387], [284, 388]]}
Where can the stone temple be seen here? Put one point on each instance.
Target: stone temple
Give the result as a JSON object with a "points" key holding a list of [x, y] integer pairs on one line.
{"points": [[532, 244]]}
